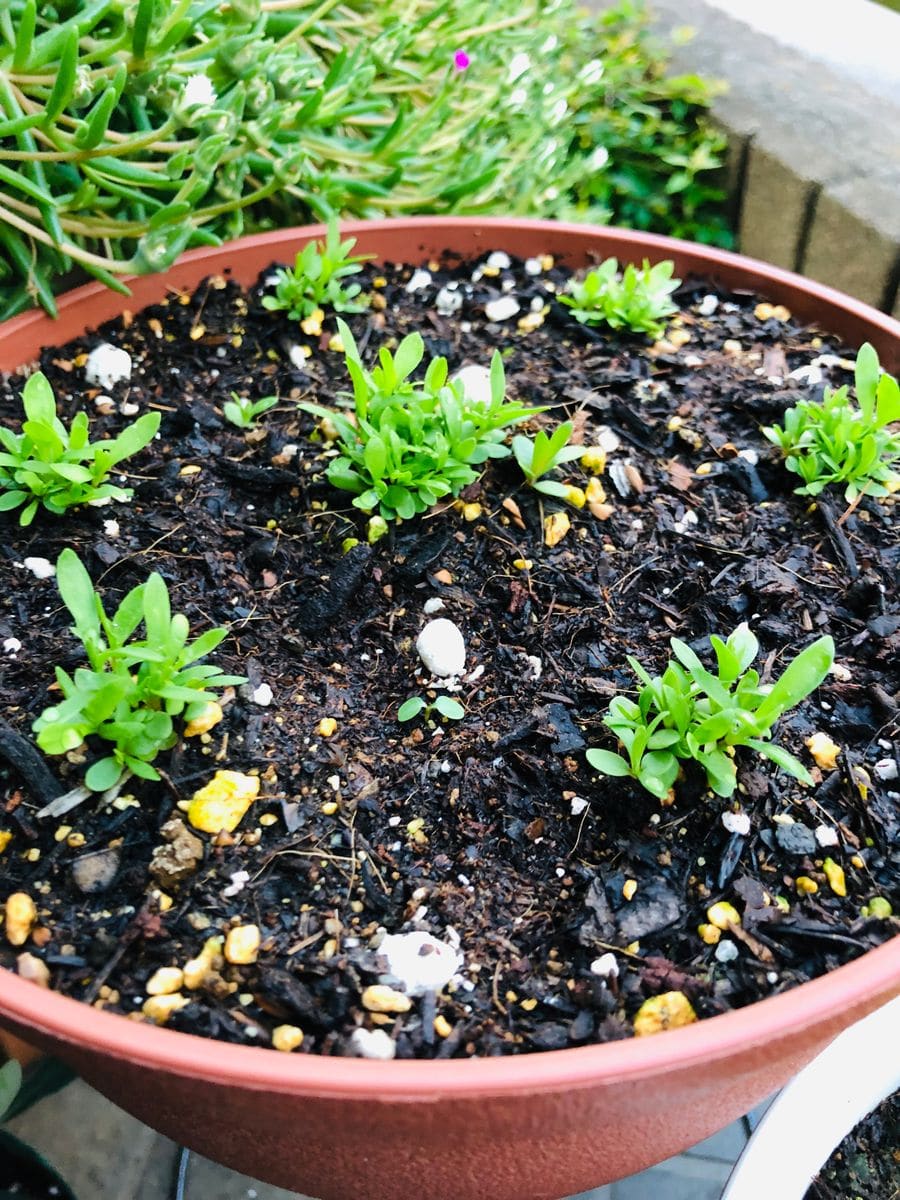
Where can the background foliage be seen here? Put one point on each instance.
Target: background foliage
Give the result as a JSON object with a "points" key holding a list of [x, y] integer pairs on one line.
{"points": [[355, 108]]}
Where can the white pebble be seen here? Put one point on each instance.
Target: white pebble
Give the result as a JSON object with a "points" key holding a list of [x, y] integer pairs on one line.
{"points": [[11, 645], [708, 305], [334, 782], [432, 605], [442, 648], [501, 309], [736, 822], [500, 260], [238, 881], [298, 357], [886, 768], [606, 438], [449, 300], [111, 529], [840, 672], [373, 1043], [536, 668], [41, 568], [128, 408], [420, 961], [605, 966], [533, 266], [826, 835], [104, 404], [771, 976], [107, 365], [750, 456], [419, 280], [475, 675], [578, 806], [476, 381], [262, 695], [726, 951], [809, 375]]}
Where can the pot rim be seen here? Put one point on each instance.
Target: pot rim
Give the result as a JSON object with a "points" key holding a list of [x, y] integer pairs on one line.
{"points": [[698, 255], [776, 1018]]}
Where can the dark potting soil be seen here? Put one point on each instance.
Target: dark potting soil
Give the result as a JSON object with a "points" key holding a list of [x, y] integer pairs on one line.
{"points": [[490, 829], [866, 1165]]}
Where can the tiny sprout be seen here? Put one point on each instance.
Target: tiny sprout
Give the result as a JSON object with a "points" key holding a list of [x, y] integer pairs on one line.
{"points": [[637, 299], [540, 455], [449, 709], [242, 411]]}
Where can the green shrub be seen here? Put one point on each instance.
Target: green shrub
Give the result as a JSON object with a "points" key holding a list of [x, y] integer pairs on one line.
{"points": [[47, 464], [242, 412], [414, 441], [131, 689], [834, 442], [690, 713], [131, 131], [539, 455], [638, 298]]}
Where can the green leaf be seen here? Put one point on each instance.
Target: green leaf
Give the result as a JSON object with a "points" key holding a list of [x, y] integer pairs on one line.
{"points": [[781, 758], [449, 708], [608, 763], [375, 457], [78, 595], [38, 400], [801, 677], [103, 774], [157, 612], [410, 708]]}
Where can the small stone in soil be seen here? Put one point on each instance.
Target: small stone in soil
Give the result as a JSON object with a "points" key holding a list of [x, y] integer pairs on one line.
{"points": [[796, 838], [93, 873]]}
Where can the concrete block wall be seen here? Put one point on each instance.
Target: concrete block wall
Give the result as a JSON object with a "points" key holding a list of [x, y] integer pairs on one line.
{"points": [[812, 113]]}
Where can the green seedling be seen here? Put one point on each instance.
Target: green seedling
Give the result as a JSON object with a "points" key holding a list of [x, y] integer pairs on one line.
{"points": [[540, 455], [47, 464], [835, 442], [132, 688], [315, 280], [414, 441], [637, 299], [691, 713], [242, 411], [448, 708]]}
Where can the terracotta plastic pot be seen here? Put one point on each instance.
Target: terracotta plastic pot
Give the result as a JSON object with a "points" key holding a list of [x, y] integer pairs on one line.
{"points": [[534, 1127]]}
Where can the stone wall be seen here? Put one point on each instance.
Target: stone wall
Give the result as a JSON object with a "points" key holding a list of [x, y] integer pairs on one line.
{"points": [[813, 171]]}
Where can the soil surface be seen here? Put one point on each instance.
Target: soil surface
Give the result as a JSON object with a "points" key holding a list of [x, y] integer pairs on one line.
{"points": [[490, 832], [866, 1165]]}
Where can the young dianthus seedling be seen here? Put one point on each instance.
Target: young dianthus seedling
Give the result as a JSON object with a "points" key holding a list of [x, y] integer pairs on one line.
{"points": [[242, 411], [691, 713], [414, 441], [449, 708], [315, 280], [540, 455], [637, 299], [131, 689], [47, 464], [835, 442]]}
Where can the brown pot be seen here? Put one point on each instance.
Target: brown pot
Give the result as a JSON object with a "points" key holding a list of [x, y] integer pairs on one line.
{"points": [[534, 1127]]}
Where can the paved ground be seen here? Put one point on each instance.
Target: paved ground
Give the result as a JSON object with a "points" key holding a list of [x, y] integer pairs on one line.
{"points": [[107, 1155]]}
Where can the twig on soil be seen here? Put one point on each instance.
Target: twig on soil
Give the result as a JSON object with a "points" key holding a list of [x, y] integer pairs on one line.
{"points": [[21, 754], [838, 538]]}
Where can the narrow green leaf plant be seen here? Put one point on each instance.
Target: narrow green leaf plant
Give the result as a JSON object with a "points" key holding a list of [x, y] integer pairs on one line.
{"points": [[540, 455], [47, 464], [131, 688], [316, 279], [835, 442], [638, 298], [242, 412], [692, 713], [414, 441]]}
